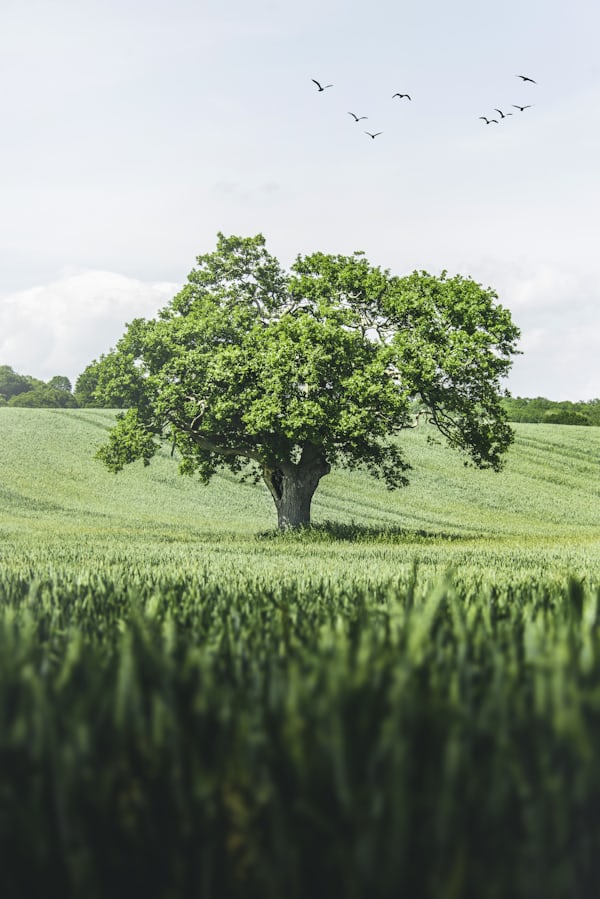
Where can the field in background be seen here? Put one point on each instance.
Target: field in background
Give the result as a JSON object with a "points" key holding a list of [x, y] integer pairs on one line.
{"points": [[57, 503]]}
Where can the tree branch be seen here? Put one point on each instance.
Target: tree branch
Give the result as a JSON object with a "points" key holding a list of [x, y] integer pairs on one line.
{"points": [[212, 447], [206, 443]]}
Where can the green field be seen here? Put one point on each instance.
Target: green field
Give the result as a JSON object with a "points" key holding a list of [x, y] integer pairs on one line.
{"points": [[544, 509], [404, 700]]}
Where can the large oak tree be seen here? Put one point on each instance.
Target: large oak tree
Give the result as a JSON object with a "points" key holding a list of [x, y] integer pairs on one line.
{"points": [[290, 373]]}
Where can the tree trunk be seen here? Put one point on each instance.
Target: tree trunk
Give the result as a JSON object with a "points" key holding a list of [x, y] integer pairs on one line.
{"points": [[292, 487]]}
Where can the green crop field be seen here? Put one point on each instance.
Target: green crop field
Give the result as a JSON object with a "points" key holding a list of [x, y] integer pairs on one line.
{"points": [[57, 502], [404, 700]]}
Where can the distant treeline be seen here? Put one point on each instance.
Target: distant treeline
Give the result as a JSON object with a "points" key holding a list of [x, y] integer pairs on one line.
{"points": [[540, 410], [24, 390]]}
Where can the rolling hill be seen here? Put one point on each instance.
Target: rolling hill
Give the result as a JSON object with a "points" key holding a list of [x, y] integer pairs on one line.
{"points": [[50, 483]]}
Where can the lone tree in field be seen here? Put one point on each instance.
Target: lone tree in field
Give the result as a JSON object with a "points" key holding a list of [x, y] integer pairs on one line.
{"points": [[287, 374]]}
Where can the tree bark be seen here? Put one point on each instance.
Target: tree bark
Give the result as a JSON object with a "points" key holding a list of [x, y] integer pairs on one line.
{"points": [[292, 487]]}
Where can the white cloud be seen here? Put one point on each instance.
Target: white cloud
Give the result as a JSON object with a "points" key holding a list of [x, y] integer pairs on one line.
{"points": [[545, 289], [559, 364], [556, 308], [555, 303], [58, 328]]}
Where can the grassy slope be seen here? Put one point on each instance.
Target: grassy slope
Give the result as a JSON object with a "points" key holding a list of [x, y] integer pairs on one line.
{"points": [[51, 488]]}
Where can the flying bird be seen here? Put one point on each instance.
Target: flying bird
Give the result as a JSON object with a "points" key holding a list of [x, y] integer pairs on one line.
{"points": [[402, 95], [321, 88], [488, 121], [358, 118], [377, 133], [502, 114], [525, 78], [522, 107]]}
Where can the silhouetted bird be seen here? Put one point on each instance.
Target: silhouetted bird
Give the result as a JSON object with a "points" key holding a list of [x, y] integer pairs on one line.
{"points": [[319, 86], [358, 118], [377, 133], [488, 121], [401, 95], [525, 78], [502, 114], [522, 107]]}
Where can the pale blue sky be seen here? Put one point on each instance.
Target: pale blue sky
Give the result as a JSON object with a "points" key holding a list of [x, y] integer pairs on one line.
{"points": [[132, 133]]}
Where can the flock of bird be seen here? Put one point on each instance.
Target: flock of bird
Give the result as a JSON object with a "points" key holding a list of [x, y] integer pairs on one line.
{"points": [[504, 115], [488, 121], [359, 118]]}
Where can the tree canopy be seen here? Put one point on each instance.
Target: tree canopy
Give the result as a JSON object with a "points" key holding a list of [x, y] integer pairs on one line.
{"points": [[285, 374], [87, 384], [11, 383]]}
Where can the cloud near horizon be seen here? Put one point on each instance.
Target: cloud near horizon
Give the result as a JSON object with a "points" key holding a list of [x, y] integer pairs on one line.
{"points": [[58, 328], [557, 310]]}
